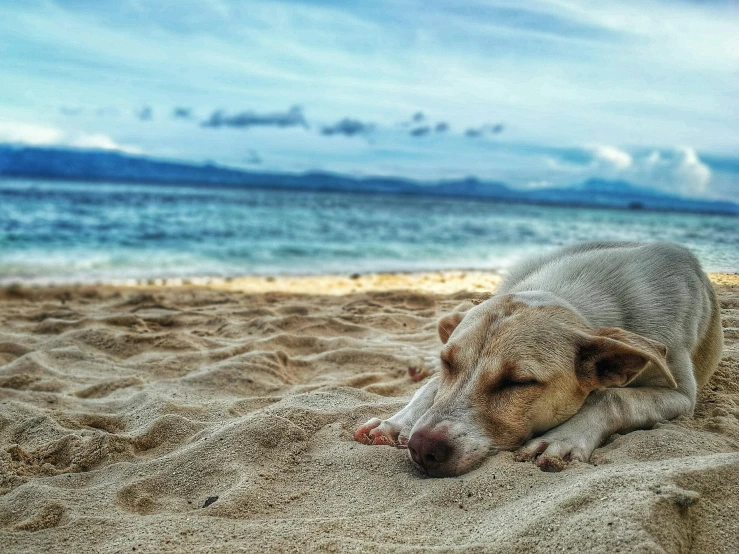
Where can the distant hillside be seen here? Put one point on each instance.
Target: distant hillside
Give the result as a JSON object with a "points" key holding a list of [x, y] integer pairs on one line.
{"points": [[94, 165], [620, 194]]}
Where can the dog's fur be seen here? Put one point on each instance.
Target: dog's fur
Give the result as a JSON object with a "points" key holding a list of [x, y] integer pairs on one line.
{"points": [[591, 340]]}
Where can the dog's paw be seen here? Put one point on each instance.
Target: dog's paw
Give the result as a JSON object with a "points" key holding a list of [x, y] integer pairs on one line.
{"points": [[553, 454], [380, 432]]}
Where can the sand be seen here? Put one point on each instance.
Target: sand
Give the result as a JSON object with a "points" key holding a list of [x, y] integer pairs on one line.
{"points": [[218, 417]]}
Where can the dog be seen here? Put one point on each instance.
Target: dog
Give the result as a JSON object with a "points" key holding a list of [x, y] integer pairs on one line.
{"points": [[576, 345]]}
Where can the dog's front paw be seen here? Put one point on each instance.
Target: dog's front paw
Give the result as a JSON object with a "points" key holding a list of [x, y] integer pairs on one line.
{"points": [[378, 431], [552, 453]]}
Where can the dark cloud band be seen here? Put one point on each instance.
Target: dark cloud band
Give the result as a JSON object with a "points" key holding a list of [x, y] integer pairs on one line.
{"points": [[291, 118], [476, 132], [348, 127]]}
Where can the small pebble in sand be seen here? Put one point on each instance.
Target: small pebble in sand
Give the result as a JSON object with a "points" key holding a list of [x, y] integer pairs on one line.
{"points": [[210, 501]]}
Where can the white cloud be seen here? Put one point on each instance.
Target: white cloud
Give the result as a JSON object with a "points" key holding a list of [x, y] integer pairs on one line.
{"points": [[34, 135], [40, 135], [612, 157], [99, 141], [678, 170]]}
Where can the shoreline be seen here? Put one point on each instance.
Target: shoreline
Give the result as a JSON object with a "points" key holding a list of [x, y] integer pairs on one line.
{"points": [[435, 282]]}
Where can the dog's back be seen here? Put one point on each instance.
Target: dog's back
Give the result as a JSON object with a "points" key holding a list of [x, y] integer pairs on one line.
{"points": [[657, 290]]}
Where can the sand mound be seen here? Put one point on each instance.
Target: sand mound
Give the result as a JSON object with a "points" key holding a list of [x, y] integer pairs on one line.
{"points": [[196, 419]]}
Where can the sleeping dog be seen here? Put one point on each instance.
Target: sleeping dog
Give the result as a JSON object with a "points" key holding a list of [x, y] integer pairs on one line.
{"points": [[591, 340]]}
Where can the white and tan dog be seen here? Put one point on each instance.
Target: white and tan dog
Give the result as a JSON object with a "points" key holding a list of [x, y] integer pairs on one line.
{"points": [[591, 340]]}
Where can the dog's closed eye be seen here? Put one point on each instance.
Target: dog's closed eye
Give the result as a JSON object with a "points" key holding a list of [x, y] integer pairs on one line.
{"points": [[510, 383]]}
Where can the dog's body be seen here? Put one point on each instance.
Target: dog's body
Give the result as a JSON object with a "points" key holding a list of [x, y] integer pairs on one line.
{"points": [[576, 345]]}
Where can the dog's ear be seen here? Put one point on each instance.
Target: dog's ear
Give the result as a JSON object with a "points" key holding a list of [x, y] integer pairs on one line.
{"points": [[612, 357], [448, 324]]}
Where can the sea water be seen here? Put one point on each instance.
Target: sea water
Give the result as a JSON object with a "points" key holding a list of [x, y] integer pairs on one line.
{"points": [[62, 232]]}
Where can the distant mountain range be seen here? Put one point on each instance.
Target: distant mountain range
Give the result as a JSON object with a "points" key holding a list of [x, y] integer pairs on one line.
{"points": [[100, 165]]}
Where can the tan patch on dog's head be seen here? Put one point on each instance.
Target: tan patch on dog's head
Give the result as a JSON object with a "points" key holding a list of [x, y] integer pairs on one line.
{"points": [[527, 382], [516, 363]]}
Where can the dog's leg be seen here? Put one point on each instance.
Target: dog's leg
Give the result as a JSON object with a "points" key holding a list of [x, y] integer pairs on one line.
{"points": [[394, 431], [612, 410]]}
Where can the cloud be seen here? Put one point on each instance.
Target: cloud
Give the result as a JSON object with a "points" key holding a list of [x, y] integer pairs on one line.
{"points": [[348, 127], [612, 156], [98, 141], [423, 130], [476, 132], [145, 113], [420, 131], [291, 118], [39, 135], [33, 135], [417, 118], [182, 113], [678, 170]]}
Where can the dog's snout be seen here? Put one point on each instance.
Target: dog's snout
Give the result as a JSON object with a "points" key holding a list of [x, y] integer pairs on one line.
{"points": [[429, 450]]}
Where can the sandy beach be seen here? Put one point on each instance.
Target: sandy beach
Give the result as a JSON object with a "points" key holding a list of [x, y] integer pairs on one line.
{"points": [[218, 417]]}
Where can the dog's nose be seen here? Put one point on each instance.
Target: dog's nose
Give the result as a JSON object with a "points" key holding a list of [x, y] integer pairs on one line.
{"points": [[429, 450]]}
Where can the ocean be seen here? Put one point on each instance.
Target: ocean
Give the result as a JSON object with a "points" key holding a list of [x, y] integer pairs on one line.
{"points": [[69, 232]]}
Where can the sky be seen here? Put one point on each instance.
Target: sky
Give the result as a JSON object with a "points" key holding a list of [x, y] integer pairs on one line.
{"points": [[532, 94]]}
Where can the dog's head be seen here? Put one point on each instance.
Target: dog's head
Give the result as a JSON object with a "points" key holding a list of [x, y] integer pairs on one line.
{"points": [[515, 366]]}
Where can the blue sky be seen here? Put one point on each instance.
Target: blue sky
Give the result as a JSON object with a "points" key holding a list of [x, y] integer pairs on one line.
{"points": [[529, 93]]}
